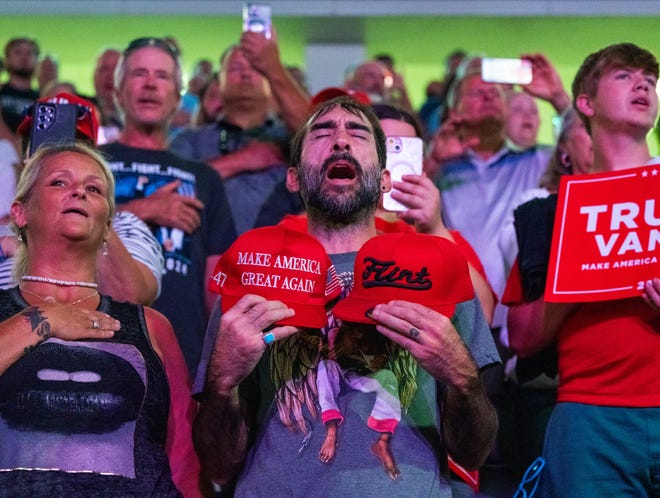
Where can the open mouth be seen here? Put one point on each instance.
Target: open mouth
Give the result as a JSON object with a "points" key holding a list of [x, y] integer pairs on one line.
{"points": [[341, 171], [641, 101], [79, 211], [341, 166], [148, 101]]}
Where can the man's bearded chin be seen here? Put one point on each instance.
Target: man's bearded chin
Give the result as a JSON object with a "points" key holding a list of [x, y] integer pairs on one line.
{"points": [[332, 208]]}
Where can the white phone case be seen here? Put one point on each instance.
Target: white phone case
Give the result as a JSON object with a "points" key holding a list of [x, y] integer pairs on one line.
{"points": [[257, 18], [404, 157]]}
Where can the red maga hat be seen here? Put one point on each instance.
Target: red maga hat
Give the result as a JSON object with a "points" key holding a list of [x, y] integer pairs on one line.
{"points": [[87, 124], [279, 264], [412, 267]]}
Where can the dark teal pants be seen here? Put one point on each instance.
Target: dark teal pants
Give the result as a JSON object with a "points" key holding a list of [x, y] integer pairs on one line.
{"points": [[599, 451]]}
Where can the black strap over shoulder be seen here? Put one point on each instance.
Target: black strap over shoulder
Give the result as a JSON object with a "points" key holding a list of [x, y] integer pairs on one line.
{"points": [[534, 221]]}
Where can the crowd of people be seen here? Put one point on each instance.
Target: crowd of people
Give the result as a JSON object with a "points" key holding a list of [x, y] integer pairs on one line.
{"points": [[352, 349]]}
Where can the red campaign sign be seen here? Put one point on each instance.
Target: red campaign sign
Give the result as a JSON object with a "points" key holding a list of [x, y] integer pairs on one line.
{"points": [[606, 236]]}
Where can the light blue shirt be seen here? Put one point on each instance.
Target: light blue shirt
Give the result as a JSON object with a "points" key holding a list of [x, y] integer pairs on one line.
{"points": [[479, 194]]}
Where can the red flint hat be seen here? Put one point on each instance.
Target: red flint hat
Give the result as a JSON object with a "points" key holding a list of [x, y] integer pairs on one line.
{"points": [[411, 267], [279, 264], [87, 124]]}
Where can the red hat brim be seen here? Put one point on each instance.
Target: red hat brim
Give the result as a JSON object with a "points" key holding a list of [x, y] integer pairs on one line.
{"points": [[86, 126]]}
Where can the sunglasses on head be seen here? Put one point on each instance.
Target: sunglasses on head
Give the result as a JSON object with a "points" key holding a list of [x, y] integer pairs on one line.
{"points": [[151, 41]]}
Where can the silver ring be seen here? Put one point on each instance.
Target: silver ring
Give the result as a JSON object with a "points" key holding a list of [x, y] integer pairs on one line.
{"points": [[268, 338], [413, 332], [95, 324]]}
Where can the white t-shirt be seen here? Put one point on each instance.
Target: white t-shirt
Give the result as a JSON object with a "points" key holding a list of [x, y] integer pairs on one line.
{"points": [[8, 162]]}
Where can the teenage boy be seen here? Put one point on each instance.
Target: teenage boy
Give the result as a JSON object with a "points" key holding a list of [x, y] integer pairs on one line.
{"points": [[604, 434]]}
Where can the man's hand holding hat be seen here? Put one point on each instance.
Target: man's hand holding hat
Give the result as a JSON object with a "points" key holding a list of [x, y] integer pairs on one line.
{"points": [[241, 338], [272, 280], [409, 285]]}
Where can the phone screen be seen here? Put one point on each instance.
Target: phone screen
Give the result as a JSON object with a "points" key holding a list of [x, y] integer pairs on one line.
{"points": [[257, 18], [514, 71]]}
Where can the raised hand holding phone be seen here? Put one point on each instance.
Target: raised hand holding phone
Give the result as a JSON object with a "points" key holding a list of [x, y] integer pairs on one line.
{"points": [[257, 18]]}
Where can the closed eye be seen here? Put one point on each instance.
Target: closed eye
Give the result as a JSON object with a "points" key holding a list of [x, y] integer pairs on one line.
{"points": [[321, 134], [358, 130]]}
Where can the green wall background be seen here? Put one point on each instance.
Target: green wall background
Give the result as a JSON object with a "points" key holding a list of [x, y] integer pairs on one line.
{"points": [[418, 44]]}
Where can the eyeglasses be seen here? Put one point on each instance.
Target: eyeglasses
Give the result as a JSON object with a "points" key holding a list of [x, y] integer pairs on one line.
{"points": [[160, 43], [531, 477]]}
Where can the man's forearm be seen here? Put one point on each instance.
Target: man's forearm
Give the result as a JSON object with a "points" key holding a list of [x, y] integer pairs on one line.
{"points": [[232, 164], [255, 156], [469, 424], [560, 101], [220, 435], [139, 207], [292, 100]]}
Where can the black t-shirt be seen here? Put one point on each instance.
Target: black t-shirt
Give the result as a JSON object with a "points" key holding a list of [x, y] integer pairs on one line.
{"points": [[139, 173], [13, 102]]}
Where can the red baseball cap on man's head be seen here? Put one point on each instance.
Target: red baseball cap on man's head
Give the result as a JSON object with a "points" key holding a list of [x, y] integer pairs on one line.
{"points": [[423, 269], [87, 123], [331, 92], [279, 264]]}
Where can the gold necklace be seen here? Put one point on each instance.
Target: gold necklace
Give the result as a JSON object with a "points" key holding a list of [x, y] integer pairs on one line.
{"points": [[44, 299]]}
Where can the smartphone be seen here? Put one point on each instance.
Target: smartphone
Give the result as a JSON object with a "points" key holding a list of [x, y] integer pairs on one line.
{"points": [[404, 157], [52, 123], [257, 18], [514, 71]]}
